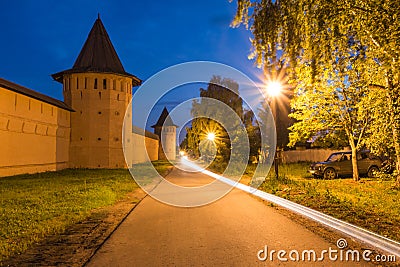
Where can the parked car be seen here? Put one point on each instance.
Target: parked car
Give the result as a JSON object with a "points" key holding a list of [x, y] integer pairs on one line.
{"points": [[339, 164]]}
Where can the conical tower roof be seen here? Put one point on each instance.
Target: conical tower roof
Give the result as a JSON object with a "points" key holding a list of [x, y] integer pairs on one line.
{"points": [[98, 55], [164, 120]]}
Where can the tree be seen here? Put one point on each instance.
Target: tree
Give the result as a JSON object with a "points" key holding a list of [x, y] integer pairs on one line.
{"points": [[334, 103], [379, 136], [206, 115], [293, 29], [254, 135]]}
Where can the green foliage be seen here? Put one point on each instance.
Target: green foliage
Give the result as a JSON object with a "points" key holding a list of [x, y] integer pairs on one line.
{"points": [[379, 133], [209, 117], [312, 38]]}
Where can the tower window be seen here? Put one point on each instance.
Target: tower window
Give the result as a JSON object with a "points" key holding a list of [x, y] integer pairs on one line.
{"points": [[81, 94], [99, 139], [95, 83], [118, 97], [77, 83], [86, 81], [104, 84], [114, 84], [100, 95]]}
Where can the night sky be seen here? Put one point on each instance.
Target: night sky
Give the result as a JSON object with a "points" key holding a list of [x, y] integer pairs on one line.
{"points": [[39, 38]]}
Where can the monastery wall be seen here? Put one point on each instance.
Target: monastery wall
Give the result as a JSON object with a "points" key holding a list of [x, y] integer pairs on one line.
{"points": [[143, 147], [34, 135]]}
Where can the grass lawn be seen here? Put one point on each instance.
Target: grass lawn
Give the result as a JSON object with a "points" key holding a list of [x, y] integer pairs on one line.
{"points": [[372, 204], [36, 205]]}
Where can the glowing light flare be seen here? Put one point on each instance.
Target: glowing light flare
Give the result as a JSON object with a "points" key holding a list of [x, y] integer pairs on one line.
{"points": [[274, 88], [211, 136]]}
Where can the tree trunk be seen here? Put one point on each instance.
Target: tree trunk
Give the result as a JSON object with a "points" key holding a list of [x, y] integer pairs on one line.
{"points": [[394, 103], [397, 148], [354, 163], [396, 131]]}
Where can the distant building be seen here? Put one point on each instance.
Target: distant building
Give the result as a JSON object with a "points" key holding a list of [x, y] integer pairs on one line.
{"points": [[165, 129], [39, 133]]}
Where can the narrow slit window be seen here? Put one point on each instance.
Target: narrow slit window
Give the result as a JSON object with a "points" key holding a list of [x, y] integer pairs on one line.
{"points": [[95, 83], [104, 84]]}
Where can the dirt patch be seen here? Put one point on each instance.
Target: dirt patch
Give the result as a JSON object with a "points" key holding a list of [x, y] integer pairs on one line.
{"points": [[79, 242]]}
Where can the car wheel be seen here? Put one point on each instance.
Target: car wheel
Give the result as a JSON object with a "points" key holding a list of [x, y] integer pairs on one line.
{"points": [[372, 171], [330, 173]]}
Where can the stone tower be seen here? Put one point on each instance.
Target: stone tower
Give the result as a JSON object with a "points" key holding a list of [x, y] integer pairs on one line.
{"points": [[98, 89], [166, 131]]}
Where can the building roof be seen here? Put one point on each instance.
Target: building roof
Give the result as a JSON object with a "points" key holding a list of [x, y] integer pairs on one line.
{"points": [[33, 94], [164, 120], [98, 55], [138, 130]]}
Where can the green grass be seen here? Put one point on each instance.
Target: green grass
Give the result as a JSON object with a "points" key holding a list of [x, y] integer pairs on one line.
{"points": [[37, 205], [150, 172], [371, 203]]}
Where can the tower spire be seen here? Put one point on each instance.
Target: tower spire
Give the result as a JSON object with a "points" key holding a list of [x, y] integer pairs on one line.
{"points": [[97, 55]]}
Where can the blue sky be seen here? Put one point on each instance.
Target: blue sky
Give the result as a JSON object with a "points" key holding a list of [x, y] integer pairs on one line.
{"points": [[43, 37]]}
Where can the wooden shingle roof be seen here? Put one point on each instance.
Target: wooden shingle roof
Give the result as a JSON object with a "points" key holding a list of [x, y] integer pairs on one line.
{"points": [[98, 55], [164, 120]]}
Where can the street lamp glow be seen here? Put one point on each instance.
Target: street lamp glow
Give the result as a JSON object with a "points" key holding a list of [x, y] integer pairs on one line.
{"points": [[211, 136], [274, 88]]}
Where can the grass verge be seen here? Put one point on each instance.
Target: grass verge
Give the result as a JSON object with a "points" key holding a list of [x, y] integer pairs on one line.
{"points": [[372, 204], [38, 205]]}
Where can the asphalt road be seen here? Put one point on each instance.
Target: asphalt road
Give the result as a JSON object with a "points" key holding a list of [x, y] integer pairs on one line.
{"points": [[228, 232]]}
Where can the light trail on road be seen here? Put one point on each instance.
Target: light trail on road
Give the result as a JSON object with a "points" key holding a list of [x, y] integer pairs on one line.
{"points": [[368, 237]]}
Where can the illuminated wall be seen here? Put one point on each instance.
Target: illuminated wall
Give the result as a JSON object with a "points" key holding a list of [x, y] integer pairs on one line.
{"points": [[34, 135]]}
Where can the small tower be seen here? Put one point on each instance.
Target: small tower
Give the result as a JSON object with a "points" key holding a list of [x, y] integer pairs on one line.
{"points": [[98, 89], [166, 131]]}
